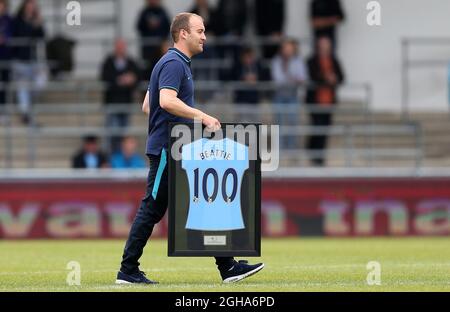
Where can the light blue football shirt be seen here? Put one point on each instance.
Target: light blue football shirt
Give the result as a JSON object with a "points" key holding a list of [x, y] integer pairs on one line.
{"points": [[215, 169]]}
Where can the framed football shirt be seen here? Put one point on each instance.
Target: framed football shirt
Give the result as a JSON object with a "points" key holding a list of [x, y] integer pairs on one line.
{"points": [[214, 193]]}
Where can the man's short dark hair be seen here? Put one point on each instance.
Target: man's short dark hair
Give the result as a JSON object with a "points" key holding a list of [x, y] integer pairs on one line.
{"points": [[246, 50], [90, 139], [179, 22]]}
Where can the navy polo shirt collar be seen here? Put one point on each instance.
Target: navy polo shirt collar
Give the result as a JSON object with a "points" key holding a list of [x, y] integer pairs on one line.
{"points": [[181, 54]]}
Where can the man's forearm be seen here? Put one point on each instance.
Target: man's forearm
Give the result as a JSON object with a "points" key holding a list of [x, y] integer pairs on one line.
{"points": [[178, 108]]}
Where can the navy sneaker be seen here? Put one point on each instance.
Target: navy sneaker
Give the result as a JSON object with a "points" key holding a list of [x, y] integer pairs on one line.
{"points": [[240, 270], [135, 278]]}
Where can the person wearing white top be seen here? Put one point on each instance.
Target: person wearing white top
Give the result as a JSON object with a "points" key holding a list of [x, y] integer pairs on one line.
{"points": [[288, 71]]}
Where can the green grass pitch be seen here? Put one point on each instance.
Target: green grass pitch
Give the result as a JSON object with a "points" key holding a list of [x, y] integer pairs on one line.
{"points": [[292, 264]]}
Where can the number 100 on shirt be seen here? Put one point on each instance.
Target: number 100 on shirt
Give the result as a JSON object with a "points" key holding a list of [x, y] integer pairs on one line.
{"points": [[214, 170]]}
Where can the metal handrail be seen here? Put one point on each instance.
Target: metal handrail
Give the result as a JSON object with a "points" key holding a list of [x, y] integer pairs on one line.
{"points": [[97, 85], [106, 44], [83, 87], [349, 151]]}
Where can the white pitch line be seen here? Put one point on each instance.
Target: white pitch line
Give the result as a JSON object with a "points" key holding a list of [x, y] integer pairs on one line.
{"points": [[82, 271], [279, 268]]}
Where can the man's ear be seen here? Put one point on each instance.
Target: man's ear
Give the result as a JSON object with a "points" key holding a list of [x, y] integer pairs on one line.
{"points": [[183, 33]]}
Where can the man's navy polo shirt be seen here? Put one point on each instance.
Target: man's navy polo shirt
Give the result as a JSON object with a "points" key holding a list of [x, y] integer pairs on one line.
{"points": [[172, 71]]}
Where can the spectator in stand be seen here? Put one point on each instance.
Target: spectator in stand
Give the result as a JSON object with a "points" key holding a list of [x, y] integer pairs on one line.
{"points": [[127, 157], [232, 17], [209, 15], [201, 72], [28, 29], [326, 74], [90, 157], [5, 52], [272, 27], [325, 16], [230, 27], [59, 51], [249, 71], [153, 25], [162, 49], [288, 72], [120, 73]]}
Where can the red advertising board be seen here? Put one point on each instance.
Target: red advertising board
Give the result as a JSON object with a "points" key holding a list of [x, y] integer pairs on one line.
{"points": [[302, 206]]}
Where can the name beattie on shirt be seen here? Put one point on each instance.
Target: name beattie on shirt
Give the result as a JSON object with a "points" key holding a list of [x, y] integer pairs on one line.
{"points": [[216, 154]]}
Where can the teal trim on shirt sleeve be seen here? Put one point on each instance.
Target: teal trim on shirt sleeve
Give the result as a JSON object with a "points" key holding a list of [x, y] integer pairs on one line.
{"points": [[169, 87]]}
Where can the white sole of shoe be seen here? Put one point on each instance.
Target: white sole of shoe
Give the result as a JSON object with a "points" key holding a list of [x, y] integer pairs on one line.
{"points": [[122, 282], [237, 278]]}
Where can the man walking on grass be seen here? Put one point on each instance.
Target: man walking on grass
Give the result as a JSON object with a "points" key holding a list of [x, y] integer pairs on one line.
{"points": [[170, 98]]}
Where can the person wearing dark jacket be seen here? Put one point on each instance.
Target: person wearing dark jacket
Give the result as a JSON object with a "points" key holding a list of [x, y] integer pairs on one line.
{"points": [[153, 24], [325, 74], [325, 15], [210, 52], [230, 26], [249, 71], [27, 28], [89, 157], [120, 73], [28, 25], [232, 17], [269, 20], [5, 49], [209, 15], [60, 53]]}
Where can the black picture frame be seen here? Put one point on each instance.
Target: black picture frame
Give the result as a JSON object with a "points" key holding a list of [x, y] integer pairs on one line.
{"points": [[251, 181]]}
